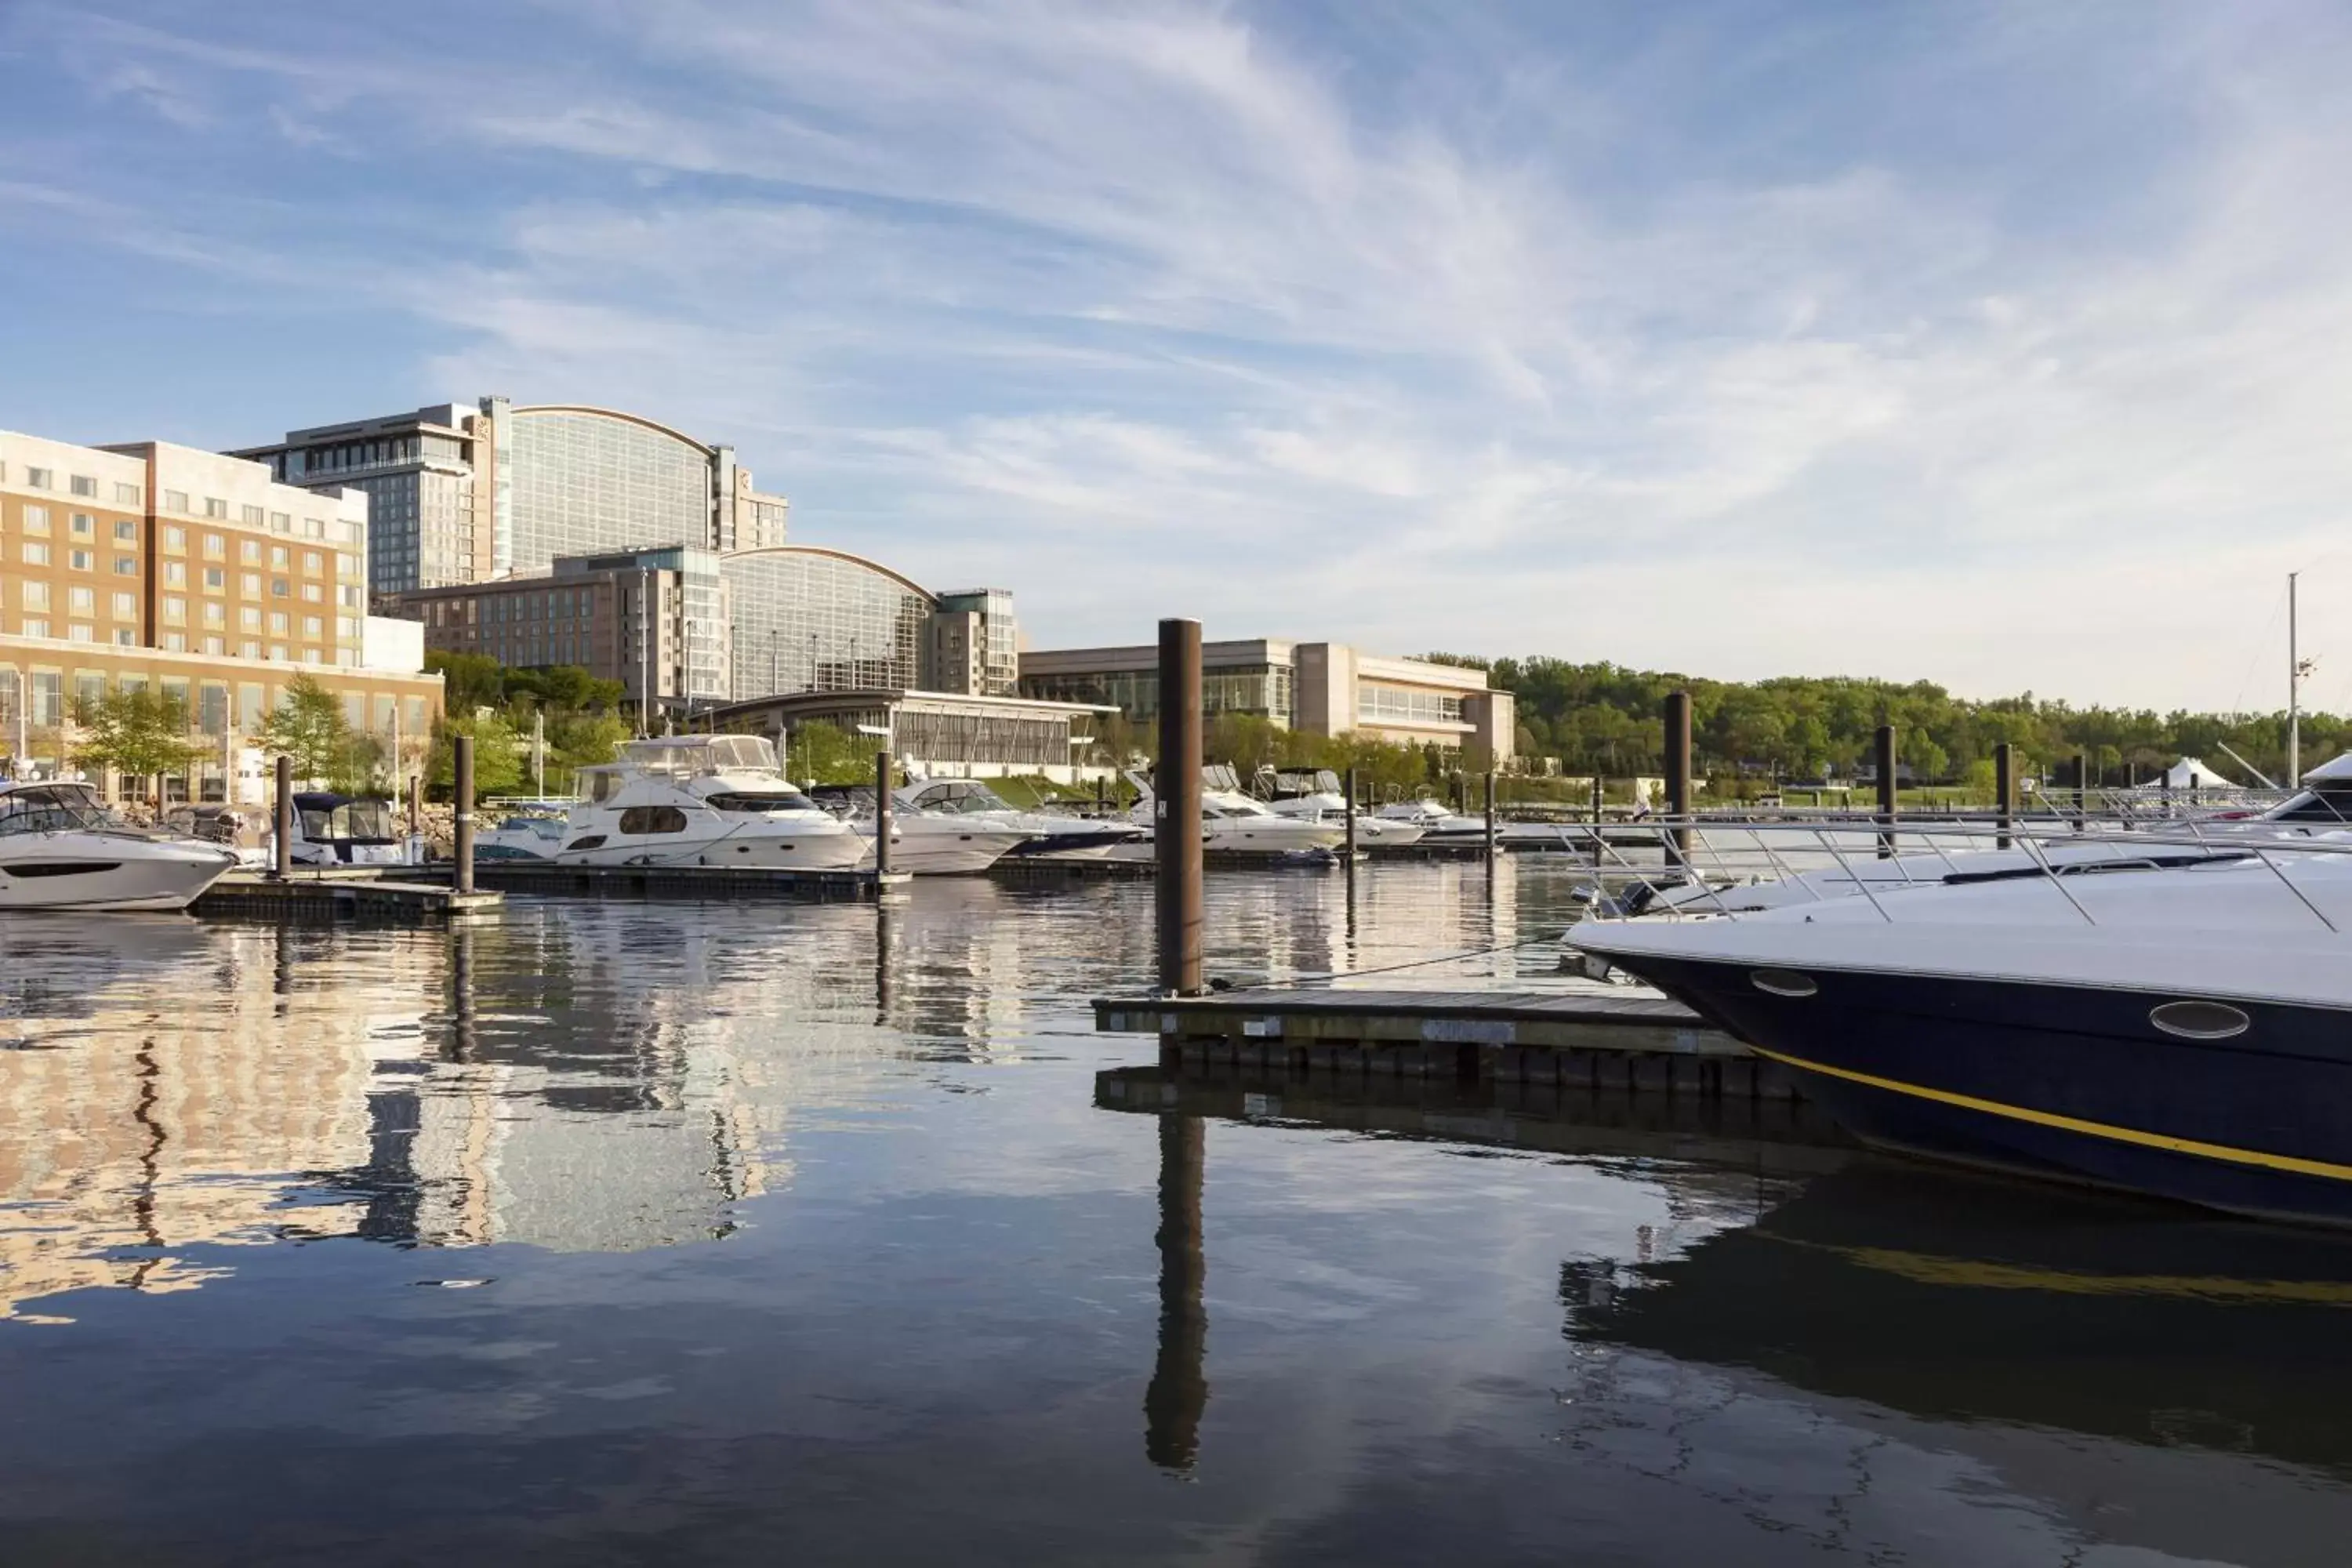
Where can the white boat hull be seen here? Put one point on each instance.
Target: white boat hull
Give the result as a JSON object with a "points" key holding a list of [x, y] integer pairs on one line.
{"points": [[947, 850], [802, 850], [77, 870]]}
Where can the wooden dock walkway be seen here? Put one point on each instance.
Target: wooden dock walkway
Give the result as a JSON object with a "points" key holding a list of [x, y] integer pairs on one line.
{"points": [[1639, 1043], [364, 893]]}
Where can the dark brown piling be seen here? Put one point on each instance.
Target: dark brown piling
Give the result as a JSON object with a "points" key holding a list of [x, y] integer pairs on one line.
{"points": [[1677, 838], [2004, 789], [462, 777], [284, 821], [1887, 797], [1176, 824], [882, 813]]}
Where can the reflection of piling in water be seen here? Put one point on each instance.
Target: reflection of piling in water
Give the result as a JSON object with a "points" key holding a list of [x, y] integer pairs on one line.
{"points": [[1178, 1391], [882, 945]]}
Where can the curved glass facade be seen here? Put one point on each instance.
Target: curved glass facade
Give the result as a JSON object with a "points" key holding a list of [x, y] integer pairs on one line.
{"points": [[584, 482], [808, 621]]}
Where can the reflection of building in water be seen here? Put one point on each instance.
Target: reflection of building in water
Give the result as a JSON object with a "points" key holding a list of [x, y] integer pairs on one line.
{"points": [[604, 1082]]}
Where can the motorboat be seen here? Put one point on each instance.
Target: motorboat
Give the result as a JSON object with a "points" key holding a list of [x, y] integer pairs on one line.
{"points": [[345, 830], [1437, 822], [522, 835], [1053, 834], [2174, 1030], [1233, 824], [703, 800], [61, 849], [924, 843], [1316, 796]]}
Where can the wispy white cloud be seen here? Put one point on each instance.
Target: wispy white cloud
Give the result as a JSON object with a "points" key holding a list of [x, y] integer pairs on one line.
{"points": [[1965, 347]]}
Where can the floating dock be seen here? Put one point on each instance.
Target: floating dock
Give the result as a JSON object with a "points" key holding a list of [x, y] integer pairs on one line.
{"points": [[540, 879], [1636, 1043], [1771, 1132], [365, 894]]}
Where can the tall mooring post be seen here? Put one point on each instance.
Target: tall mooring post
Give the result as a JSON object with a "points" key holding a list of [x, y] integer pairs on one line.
{"points": [[283, 823], [2082, 789], [1678, 840], [2004, 789], [1348, 783], [1885, 760], [463, 778], [416, 806], [1176, 827], [1490, 815], [882, 813]]}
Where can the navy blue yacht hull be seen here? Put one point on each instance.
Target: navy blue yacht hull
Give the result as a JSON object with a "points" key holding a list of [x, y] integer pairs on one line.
{"points": [[2068, 1082]]}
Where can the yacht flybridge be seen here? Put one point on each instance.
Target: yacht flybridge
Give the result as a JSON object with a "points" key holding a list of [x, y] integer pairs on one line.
{"points": [[59, 849], [703, 800]]}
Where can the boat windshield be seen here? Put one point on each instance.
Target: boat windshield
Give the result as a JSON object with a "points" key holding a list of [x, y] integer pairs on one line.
{"points": [[2331, 806], [350, 820], [759, 801], [959, 796], [52, 808], [687, 755]]}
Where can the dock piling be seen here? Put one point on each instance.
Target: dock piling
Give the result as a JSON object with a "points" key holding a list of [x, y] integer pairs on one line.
{"points": [[2081, 788], [1176, 832], [1490, 815], [2004, 789], [462, 778], [1886, 798], [1677, 840], [283, 821], [882, 813]]}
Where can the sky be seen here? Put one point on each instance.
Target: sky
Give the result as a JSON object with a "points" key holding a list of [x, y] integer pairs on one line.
{"points": [[2006, 346]]}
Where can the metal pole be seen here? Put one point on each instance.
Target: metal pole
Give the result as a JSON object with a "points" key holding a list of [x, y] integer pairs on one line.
{"points": [[539, 755], [1677, 840], [2293, 694], [1886, 801], [1176, 831], [881, 813], [2082, 787], [284, 826], [464, 746], [2004, 789]]}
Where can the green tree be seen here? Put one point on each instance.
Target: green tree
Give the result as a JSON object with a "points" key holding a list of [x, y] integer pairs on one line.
{"points": [[498, 753], [310, 727], [471, 681], [141, 734]]}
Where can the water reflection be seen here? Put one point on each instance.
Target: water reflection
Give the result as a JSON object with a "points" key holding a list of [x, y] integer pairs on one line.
{"points": [[1179, 1392]]}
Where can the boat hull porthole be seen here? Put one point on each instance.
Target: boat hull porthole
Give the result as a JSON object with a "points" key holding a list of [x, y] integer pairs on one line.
{"points": [[2199, 1020], [1783, 982]]}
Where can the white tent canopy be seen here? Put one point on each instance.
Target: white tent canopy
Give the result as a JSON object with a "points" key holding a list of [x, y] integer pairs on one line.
{"points": [[2190, 771]]}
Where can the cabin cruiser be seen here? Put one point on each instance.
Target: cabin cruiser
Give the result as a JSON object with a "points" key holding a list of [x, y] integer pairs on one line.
{"points": [[343, 830], [2173, 1030], [522, 835], [1050, 833], [925, 843], [1233, 824], [1437, 822], [1316, 796], [703, 800], [60, 849]]}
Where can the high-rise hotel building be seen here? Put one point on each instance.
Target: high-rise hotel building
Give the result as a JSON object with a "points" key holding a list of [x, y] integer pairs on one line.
{"points": [[464, 495], [151, 563]]}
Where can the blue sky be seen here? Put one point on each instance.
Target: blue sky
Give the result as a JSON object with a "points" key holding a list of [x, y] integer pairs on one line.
{"points": [[1999, 345]]}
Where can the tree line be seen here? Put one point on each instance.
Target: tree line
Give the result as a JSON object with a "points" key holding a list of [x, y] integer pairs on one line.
{"points": [[1608, 717]]}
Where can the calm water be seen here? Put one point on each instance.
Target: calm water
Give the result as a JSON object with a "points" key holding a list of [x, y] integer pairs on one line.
{"points": [[660, 1234]]}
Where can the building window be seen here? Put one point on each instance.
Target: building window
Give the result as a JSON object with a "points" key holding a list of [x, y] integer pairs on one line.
{"points": [[249, 618], [216, 647], [176, 539], [216, 547], [127, 494], [81, 600], [37, 520], [174, 608], [278, 623], [83, 485], [126, 532], [216, 580], [215, 613], [277, 588], [36, 596], [176, 501], [176, 642], [175, 574], [277, 652], [279, 557], [125, 638], [215, 507], [249, 649], [77, 632], [281, 522], [82, 560], [313, 562], [250, 585], [83, 526], [314, 627], [36, 554], [41, 478], [313, 655], [126, 607], [253, 516], [126, 566], [36, 628], [314, 594]]}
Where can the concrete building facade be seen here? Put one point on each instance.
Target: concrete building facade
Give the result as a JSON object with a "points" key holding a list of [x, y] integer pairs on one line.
{"points": [[942, 734], [149, 565], [1318, 688]]}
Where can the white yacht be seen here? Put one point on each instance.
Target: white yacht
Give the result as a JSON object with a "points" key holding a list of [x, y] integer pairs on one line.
{"points": [[703, 800], [345, 830], [1316, 796], [925, 843], [1435, 820], [1233, 824], [60, 849], [1051, 834]]}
